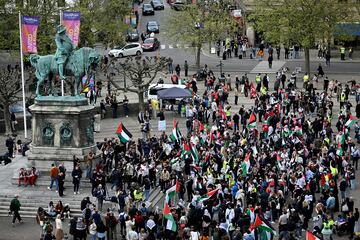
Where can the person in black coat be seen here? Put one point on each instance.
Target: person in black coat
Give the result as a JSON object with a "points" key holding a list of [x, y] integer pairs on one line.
{"points": [[76, 174], [61, 181]]}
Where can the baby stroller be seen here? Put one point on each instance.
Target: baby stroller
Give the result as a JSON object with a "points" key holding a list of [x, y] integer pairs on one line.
{"points": [[341, 227]]}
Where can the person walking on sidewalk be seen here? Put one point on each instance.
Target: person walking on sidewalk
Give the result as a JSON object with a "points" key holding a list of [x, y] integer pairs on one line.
{"points": [[186, 68], [15, 208], [54, 174]]}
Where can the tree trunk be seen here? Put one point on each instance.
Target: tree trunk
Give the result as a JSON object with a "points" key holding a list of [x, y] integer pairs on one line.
{"points": [[307, 60], [141, 99], [7, 121], [197, 57], [210, 42]]}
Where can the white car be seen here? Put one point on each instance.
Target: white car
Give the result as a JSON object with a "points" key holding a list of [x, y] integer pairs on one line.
{"points": [[130, 49]]}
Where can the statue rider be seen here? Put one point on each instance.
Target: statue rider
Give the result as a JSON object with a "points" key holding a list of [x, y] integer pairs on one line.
{"points": [[65, 47]]}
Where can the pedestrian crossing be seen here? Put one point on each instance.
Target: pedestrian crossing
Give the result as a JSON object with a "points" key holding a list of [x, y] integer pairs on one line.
{"points": [[174, 46], [263, 67]]}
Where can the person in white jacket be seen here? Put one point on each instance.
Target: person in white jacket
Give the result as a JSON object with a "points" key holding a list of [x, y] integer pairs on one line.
{"points": [[92, 230], [59, 232]]}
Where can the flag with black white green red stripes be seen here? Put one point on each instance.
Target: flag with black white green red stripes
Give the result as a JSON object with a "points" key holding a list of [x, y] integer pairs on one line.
{"points": [[123, 134]]}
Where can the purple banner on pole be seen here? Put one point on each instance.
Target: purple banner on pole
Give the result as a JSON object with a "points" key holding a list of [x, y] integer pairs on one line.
{"points": [[29, 26], [71, 21]]}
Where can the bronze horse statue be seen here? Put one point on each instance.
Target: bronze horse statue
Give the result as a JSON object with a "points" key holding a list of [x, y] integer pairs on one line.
{"points": [[79, 64]]}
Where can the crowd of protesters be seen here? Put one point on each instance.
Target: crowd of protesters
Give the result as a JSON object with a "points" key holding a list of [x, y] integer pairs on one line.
{"points": [[287, 163]]}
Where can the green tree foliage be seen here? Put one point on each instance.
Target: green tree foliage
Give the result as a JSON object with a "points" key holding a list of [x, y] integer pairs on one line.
{"points": [[101, 21], [299, 21], [200, 23]]}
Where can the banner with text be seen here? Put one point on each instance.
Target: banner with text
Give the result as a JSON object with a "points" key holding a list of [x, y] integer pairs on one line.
{"points": [[71, 21], [29, 26]]}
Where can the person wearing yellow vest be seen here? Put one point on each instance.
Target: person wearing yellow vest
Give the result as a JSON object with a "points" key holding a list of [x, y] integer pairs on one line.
{"points": [[228, 114], [342, 99], [342, 52], [263, 91], [258, 82], [138, 195], [306, 80]]}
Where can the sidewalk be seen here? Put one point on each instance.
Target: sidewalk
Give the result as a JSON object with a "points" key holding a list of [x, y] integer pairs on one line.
{"points": [[335, 55]]}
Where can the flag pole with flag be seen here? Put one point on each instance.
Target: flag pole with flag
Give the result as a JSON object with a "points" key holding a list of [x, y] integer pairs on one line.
{"points": [[350, 122], [311, 236], [123, 134], [252, 121], [263, 226], [28, 32], [22, 75], [170, 194]]}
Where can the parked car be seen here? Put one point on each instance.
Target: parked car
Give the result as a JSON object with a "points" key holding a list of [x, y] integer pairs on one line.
{"points": [[147, 9], [178, 5], [151, 44], [132, 35], [130, 49], [152, 26], [157, 4]]}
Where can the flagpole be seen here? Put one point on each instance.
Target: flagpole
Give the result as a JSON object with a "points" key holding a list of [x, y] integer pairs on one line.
{"points": [[62, 80], [22, 77]]}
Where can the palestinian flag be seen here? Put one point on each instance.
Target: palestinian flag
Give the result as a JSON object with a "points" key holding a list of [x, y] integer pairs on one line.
{"points": [[278, 161], [170, 193], [208, 195], [254, 151], [171, 224], [339, 150], [261, 225], [342, 139], [298, 130], [175, 133], [350, 122], [123, 134], [269, 118], [194, 153], [311, 236], [185, 150], [252, 121], [245, 165]]}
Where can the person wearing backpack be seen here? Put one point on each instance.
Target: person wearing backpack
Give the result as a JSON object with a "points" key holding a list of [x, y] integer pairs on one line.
{"points": [[111, 223], [86, 214], [122, 220], [15, 208]]}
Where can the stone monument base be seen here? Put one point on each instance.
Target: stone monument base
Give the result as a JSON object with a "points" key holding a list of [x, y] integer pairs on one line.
{"points": [[63, 127]]}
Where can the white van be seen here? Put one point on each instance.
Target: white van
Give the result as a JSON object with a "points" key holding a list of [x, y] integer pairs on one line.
{"points": [[154, 88]]}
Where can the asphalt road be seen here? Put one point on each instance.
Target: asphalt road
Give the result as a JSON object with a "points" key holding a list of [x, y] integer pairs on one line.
{"points": [[25, 231], [180, 53]]}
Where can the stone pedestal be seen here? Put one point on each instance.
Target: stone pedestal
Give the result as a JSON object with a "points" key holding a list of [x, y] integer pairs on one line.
{"points": [[61, 128]]}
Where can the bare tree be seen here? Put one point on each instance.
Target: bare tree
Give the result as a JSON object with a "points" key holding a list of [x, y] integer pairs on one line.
{"points": [[10, 82], [140, 72]]}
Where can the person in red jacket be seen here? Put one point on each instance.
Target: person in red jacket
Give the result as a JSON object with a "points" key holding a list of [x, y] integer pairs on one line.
{"points": [[22, 176]]}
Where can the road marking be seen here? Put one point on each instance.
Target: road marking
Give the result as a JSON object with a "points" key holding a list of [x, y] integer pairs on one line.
{"points": [[163, 46], [171, 46]]}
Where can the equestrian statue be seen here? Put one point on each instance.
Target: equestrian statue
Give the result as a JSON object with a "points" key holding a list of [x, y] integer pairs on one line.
{"points": [[67, 61]]}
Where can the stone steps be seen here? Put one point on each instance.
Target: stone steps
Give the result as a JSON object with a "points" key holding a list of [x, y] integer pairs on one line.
{"points": [[31, 202], [46, 182]]}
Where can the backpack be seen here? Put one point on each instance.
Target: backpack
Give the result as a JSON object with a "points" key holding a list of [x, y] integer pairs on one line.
{"points": [[87, 213], [112, 222], [122, 217]]}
